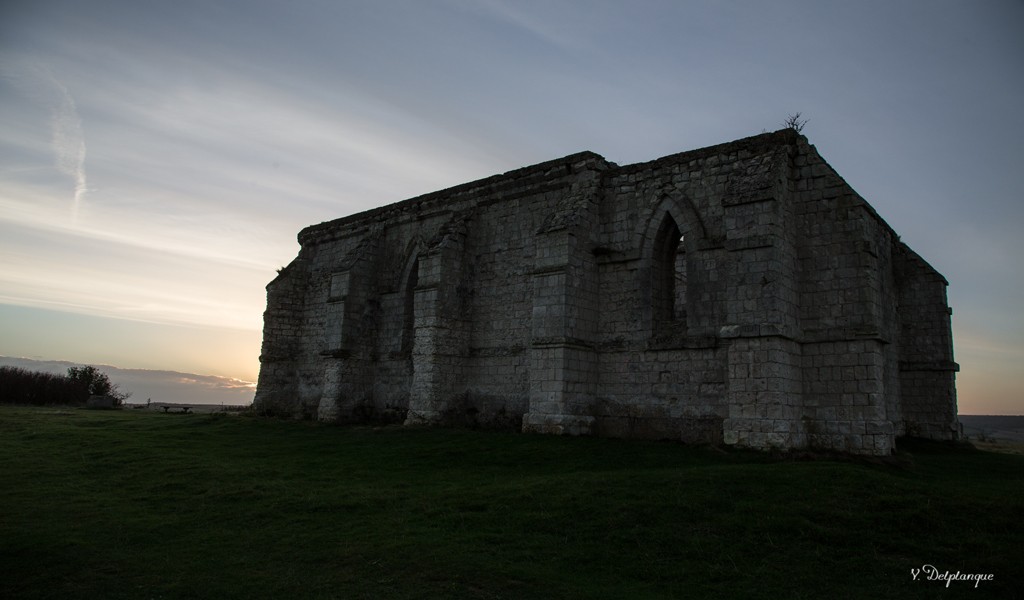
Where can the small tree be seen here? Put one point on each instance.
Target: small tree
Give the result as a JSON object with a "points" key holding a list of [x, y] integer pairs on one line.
{"points": [[795, 123], [90, 381]]}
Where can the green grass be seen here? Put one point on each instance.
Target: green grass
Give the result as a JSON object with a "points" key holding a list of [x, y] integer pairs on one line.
{"points": [[133, 504]]}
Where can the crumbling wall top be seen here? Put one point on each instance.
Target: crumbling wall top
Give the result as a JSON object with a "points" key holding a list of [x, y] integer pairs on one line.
{"points": [[757, 144], [534, 175]]}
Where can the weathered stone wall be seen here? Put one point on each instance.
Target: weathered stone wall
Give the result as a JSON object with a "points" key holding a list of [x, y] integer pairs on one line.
{"points": [[742, 293]]}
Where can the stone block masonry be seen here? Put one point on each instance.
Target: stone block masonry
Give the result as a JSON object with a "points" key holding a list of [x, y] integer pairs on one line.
{"points": [[741, 294]]}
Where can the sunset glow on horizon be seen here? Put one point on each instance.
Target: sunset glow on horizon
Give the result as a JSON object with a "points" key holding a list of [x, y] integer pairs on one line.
{"points": [[158, 159]]}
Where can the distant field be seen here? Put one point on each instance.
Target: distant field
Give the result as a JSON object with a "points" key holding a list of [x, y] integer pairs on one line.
{"points": [[995, 433], [193, 407], [142, 504], [1005, 428]]}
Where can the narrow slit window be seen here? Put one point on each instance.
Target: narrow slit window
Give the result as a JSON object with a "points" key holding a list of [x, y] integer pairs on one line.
{"points": [[409, 308], [679, 306], [669, 273]]}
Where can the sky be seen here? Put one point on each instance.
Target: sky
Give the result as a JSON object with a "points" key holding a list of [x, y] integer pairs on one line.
{"points": [[157, 159]]}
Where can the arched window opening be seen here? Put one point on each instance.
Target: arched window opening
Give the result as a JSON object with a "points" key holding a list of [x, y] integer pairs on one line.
{"points": [[409, 308], [679, 306], [669, 274]]}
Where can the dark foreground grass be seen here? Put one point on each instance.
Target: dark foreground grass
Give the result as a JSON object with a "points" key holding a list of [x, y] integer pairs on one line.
{"points": [[126, 504]]}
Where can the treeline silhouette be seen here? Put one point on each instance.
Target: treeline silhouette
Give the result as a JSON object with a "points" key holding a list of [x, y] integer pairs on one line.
{"points": [[21, 386]]}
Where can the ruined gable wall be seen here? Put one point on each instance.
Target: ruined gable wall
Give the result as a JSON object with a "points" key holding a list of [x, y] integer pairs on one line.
{"points": [[847, 331], [278, 382], [847, 313], [867, 307], [532, 296]]}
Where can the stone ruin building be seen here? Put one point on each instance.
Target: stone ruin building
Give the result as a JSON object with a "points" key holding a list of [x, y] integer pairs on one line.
{"points": [[741, 294]]}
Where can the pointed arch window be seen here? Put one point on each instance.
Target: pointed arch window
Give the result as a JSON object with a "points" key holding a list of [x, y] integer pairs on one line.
{"points": [[669, 274], [409, 308]]}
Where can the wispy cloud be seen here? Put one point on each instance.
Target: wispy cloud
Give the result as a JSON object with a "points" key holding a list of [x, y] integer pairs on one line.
{"points": [[191, 188], [101, 276], [565, 27], [35, 82], [68, 141]]}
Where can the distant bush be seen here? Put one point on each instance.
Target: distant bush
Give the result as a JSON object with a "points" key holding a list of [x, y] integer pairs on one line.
{"points": [[20, 386], [96, 383]]}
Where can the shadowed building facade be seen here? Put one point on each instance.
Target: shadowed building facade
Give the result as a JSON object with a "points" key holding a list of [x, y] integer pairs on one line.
{"points": [[740, 294]]}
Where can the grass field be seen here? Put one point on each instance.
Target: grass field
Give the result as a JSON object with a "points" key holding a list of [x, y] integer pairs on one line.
{"points": [[137, 504]]}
